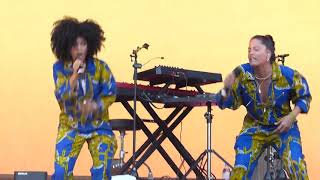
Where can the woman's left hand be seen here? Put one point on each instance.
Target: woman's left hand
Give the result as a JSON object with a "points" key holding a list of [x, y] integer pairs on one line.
{"points": [[284, 124], [88, 106]]}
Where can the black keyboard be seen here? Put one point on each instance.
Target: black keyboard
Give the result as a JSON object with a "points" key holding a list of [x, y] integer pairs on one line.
{"points": [[178, 76]]}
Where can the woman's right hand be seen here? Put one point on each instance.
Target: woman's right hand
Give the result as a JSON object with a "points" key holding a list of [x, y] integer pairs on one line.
{"points": [[88, 106], [76, 65], [229, 80]]}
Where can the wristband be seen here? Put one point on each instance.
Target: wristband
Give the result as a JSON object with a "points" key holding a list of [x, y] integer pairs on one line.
{"points": [[292, 117]]}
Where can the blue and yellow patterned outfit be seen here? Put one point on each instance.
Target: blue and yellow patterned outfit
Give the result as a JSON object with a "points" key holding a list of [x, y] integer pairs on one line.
{"points": [[286, 86], [97, 84]]}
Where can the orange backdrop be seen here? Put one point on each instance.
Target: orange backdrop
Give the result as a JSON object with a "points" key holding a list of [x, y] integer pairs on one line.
{"points": [[202, 35]]}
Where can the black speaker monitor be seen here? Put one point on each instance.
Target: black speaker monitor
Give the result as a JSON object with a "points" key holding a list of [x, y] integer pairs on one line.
{"points": [[30, 175]]}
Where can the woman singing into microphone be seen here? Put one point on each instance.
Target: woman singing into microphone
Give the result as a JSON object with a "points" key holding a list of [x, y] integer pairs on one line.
{"points": [[84, 89], [266, 89]]}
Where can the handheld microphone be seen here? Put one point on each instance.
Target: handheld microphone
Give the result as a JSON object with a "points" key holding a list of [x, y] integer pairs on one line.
{"points": [[224, 92], [82, 67]]}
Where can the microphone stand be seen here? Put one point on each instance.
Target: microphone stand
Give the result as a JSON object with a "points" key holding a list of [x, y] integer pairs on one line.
{"points": [[136, 66], [282, 57]]}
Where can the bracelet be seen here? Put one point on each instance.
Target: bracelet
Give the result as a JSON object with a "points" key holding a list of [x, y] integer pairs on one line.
{"points": [[292, 117]]}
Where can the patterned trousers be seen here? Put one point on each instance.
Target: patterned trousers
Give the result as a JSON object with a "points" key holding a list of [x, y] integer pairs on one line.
{"points": [[68, 146], [253, 140]]}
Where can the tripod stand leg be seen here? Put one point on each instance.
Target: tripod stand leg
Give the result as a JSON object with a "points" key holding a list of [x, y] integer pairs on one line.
{"points": [[195, 164], [221, 158], [209, 150]]}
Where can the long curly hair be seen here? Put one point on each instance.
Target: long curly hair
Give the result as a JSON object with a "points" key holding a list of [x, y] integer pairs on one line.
{"points": [[67, 30]]}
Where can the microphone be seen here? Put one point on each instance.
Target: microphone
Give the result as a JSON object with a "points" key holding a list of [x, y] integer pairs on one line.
{"points": [[236, 72], [82, 67], [159, 57], [225, 92], [282, 55], [144, 46]]}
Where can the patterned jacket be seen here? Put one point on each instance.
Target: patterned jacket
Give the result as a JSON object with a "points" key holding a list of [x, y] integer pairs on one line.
{"points": [[97, 83], [286, 86]]}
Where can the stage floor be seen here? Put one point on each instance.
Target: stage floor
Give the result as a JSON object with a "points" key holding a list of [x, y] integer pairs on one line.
{"points": [[11, 177]]}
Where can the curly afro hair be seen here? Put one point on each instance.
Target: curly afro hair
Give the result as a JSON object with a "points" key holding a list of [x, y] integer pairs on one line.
{"points": [[66, 31]]}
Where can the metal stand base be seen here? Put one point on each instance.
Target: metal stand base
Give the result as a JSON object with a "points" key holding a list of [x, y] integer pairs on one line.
{"points": [[207, 153]]}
